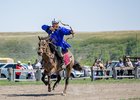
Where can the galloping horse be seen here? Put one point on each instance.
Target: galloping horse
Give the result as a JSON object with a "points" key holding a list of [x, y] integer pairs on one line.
{"points": [[52, 64]]}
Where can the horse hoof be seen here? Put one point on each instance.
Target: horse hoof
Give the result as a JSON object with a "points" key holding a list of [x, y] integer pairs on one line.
{"points": [[53, 89], [63, 94], [49, 90]]}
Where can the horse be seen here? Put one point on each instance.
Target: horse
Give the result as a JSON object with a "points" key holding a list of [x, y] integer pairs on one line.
{"points": [[52, 64]]}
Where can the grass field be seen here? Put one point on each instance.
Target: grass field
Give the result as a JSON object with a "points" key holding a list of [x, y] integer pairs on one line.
{"points": [[80, 81], [85, 46]]}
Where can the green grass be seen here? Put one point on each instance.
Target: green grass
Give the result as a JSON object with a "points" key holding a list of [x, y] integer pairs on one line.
{"points": [[85, 46], [6, 82], [80, 81]]}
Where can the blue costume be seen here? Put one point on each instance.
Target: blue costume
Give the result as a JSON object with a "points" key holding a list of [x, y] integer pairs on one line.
{"points": [[57, 36]]}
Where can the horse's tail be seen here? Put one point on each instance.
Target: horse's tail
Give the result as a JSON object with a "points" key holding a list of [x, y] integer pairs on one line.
{"points": [[77, 66]]}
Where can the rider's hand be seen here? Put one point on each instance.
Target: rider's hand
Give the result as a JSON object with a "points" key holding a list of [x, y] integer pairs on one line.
{"points": [[51, 28], [72, 32]]}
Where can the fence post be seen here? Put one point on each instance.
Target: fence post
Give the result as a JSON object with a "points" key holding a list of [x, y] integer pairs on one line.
{"points": [[38, 75], [114, 73], [0, 72], [10, 74], [136, 72], [91, 73]]}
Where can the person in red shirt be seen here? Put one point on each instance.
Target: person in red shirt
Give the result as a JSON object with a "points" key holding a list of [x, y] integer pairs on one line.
{"points": [[18, 66]]}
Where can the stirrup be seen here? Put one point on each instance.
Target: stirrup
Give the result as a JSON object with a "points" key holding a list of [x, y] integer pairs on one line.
{"points": [[63, 66]]}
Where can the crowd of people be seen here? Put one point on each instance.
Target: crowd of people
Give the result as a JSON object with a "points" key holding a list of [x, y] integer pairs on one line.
{"points": [[98, 65], [30, 66], [123, 63]]}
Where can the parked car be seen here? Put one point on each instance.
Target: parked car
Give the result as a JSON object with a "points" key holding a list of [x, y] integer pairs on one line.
{"points": [[2, 64], [77, 74], [113, 64], [87, 71], [4, 72], [74, 74]]}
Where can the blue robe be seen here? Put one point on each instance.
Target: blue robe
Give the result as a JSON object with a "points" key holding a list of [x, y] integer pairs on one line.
{"points": [[58, 36]]}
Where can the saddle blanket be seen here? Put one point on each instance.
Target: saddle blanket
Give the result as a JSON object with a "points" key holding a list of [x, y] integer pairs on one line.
{"points": [[66, 58]]}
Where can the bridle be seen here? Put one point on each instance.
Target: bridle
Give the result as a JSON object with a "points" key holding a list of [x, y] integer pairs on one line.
{"points": [[46, 52]]}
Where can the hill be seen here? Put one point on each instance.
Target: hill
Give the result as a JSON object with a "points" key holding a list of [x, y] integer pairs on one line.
{"points": [[85, 46]]}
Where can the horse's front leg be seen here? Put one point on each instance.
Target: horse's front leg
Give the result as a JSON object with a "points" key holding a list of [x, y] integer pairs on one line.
{"points": [[49, 83], [58, 80], [43, 78]]}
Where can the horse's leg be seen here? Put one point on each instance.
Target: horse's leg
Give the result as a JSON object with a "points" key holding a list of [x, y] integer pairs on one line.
{"points": [[49, 83], [43, 78], [68, 72], [57, 81]]}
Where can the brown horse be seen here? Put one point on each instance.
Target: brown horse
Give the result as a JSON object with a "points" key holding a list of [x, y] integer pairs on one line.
{"points": [[52, 64]]}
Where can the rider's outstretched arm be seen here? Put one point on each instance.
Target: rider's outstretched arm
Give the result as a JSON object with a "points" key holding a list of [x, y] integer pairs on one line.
{"points": [[66, 31]]}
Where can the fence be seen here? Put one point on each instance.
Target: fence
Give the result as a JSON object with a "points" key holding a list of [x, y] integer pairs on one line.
{"points": [[114, 73], [95, 74], [12, 74], [98, 73], [37, 72], [120, 72]]}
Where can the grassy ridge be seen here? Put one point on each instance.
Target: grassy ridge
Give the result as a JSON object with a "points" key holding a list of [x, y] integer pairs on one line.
{"points": [[85, 46]]}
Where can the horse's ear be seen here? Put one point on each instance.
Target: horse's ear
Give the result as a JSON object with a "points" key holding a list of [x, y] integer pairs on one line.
{"points": [[39, 37]]}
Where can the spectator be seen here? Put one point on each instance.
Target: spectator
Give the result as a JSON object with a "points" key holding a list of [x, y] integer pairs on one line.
{"points": [[30, 74], [94, 66], [108, 66], [37, 64], [129, 64], [137, 63], [120, 64], [101, 67], [18, 66]]}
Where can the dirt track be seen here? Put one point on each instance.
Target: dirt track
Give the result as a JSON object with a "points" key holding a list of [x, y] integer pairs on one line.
{"points": [[75, 92]]}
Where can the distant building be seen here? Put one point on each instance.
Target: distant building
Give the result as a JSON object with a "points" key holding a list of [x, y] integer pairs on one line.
{"points": [[6, 60]]}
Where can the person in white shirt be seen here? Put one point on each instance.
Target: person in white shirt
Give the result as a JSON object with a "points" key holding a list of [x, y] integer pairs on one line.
{"points": [[137, 63], [30, 74], [37, 64], [129, 64]]}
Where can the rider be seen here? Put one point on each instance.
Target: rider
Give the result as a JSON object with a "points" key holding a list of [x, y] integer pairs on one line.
{"points": [[56, 34]]}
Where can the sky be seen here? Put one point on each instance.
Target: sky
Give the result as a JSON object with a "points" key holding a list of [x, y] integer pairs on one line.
{"points": [[82, 15]]}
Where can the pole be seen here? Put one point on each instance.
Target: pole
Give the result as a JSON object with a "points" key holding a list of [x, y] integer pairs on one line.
{"points": [[38, 75], [10, 74], [0, 73], [92, 74], [136, 45]]}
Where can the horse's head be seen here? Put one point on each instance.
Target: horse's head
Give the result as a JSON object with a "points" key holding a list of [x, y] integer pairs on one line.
{"points": [[43, 45]]}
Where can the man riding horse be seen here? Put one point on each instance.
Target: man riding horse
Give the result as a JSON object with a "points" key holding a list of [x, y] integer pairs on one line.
{"points": [[53, 49], [56, 34]]}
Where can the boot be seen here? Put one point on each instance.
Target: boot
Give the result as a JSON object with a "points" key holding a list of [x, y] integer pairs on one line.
{"points": [[62, 63]]}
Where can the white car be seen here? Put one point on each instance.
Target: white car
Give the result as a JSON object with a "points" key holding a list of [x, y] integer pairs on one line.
{"points": [[77, 74], [87, 71], [5, 66]]}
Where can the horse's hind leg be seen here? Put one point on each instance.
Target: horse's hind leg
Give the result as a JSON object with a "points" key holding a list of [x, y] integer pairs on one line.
{"points": [[68, 72], [57, 81]]}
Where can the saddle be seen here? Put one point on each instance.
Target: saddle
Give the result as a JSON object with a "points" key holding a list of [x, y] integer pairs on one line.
{"points": [[65, 53]]}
